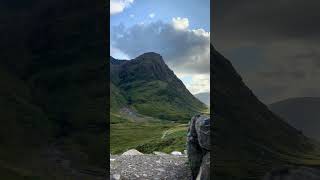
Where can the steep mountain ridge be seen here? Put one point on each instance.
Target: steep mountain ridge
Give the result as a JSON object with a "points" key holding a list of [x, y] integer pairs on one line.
{"points": [[249, 140], [150, 87]]}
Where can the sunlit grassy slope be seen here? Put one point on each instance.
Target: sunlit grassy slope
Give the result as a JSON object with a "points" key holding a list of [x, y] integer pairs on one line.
{"points": [[150, 106]]}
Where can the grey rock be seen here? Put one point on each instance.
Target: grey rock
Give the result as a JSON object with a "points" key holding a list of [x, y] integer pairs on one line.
{"points": [[198, 147], [132, 152], [204, 171]]}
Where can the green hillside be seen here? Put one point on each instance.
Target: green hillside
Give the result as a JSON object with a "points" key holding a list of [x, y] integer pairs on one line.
{"points": [[150, 87], [151, 103]]}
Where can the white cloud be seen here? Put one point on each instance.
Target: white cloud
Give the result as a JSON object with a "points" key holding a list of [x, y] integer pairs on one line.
{"points": [[199, 83], [195, 83], [152, 15], [118, 54], [132, 15], [117, 6], [186, 52], [180, 23]]}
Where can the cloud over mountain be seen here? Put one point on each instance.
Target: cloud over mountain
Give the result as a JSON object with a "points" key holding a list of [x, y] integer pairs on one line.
{"points": [[185, 50]]}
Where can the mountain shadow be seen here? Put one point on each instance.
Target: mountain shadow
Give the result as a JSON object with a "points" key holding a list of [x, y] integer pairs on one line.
{"points": [[302, 113], [53, 90], [249, 140]]}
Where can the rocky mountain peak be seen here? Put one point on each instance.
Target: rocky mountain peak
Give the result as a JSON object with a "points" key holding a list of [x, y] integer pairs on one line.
{"points": [[151, 58], [148, 77], [150, 55]]}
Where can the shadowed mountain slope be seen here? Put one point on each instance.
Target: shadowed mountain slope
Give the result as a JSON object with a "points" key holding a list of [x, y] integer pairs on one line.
{"points": [[249, 140], [301, 113], [53, 90]]}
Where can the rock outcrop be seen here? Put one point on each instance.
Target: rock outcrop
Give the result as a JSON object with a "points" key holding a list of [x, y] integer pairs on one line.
{"points": [[199, 147]]}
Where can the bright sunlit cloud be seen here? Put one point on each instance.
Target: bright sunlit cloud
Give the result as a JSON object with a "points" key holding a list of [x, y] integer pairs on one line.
{"points": [[117, 6]]}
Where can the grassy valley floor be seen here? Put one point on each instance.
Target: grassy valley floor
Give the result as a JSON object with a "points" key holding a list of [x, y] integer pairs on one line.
{"points": [[146, 135]]}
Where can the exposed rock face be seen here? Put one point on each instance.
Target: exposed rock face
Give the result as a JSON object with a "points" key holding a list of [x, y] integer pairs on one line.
{"points": [[199, 147]]}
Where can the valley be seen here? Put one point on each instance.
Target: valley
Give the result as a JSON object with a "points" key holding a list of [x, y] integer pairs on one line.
{"points": [[150, 107]]}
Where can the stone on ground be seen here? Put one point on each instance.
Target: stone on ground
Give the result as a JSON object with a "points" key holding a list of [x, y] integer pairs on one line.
{"points": [[132, 152]]}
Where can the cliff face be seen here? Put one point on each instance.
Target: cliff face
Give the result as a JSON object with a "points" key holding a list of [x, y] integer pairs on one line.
{"points": [[249, 140]]}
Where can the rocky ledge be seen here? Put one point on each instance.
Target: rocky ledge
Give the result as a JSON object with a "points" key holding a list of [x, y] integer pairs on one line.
{"points": [[134, 165]]}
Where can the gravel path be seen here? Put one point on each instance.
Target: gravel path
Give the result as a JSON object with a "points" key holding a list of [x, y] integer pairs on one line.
{"points": [[143, 167]]}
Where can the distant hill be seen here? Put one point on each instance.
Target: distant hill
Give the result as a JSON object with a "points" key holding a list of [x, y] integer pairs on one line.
{"points": [[204, 97], [302, 113], [249, 140], [147, 85]]}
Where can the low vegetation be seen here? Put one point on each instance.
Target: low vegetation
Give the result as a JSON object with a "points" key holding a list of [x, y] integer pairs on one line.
{"points": [[146, 136]]}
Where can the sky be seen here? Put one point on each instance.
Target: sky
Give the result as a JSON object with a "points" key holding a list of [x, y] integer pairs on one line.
{"points": [[273, 44], [178, 30]]}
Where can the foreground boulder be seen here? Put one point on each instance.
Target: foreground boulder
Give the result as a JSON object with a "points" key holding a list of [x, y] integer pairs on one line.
{"points": [[198, 144]]}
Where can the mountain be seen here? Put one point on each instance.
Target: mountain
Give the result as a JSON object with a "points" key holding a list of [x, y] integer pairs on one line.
{"points": [[302, 113], [204, 97], [53, 90], [147, 85], [149, 101], [248, 139]]}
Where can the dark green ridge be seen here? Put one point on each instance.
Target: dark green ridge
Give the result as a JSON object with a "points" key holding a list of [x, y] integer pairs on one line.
{"points": [[249, 140]]}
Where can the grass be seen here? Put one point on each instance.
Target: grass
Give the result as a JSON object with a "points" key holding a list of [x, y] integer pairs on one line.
{"points": [[173, 139], [146, 136]]}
